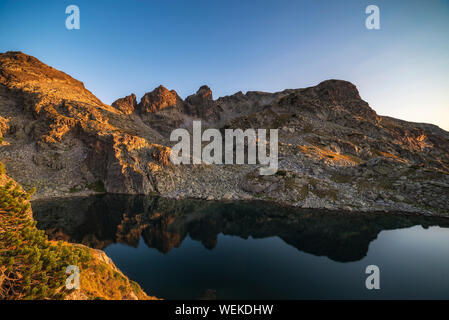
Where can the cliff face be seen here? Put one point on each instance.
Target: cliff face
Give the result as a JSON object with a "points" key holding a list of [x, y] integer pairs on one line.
{"points": [[335, 151], [71, 138]]}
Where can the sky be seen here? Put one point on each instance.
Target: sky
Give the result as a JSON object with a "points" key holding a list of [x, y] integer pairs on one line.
{"points": [[123, 47]]}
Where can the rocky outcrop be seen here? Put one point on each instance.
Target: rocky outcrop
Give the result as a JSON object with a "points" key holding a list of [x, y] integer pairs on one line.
{"points": [[335, 151], [202, 105], [72, 139], [158, 99], [127, 105]]}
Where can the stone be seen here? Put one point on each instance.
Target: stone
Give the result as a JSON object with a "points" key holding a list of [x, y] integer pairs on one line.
{"points": [[158, 99], [127, 105]]}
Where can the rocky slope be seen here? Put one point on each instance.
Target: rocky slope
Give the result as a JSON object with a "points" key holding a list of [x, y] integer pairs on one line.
{"points": [[335, 151]]}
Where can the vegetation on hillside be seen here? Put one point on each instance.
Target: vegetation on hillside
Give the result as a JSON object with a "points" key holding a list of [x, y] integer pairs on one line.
{"points": [[32, 267]]}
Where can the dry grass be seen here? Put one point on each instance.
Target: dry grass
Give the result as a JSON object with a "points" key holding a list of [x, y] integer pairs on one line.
{"points": [[101, 280], [329, 156], [341, 178]]}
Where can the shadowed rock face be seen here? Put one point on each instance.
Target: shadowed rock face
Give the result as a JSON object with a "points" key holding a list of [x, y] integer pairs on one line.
{"points": [[202, 105], [164, 224], [335, 151]]}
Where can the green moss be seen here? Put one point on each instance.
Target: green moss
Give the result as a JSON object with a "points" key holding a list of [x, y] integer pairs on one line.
{"points": [[326, 193], [281, 120], [380, 184], [123, 288], [97, 186], [135, 286], [75, 189], [341, 178], [303, 192], [307, 128], [322, 191], [34, 266], [386, 184], [282, 173]]}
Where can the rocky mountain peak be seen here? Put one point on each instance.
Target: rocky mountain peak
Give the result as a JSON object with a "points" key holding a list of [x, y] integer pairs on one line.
{"points": [[158, 99], [201, 104], [332, 100], [345, 94], [127, 105], [19, 71], [205, 92], [338, 90]]}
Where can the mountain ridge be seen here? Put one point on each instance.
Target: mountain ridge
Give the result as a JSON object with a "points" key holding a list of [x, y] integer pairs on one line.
{"points": [[335, 150]]}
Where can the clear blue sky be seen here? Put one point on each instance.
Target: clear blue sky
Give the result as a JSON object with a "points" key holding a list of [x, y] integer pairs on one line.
{"points": [[402, 70]]}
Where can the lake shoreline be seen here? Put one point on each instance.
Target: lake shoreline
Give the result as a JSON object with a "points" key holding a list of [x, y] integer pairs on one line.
{"points": [[346, 210]]}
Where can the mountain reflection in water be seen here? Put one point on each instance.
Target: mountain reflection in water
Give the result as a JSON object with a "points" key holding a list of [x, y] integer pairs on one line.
{"points": [[163, 224]]}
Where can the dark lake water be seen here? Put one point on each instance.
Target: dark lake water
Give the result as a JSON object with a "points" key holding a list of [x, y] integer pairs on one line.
{"points": [[253, 250]]}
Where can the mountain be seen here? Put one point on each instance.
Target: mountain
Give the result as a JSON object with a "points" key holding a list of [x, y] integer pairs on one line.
{"points": [[335, 151]]}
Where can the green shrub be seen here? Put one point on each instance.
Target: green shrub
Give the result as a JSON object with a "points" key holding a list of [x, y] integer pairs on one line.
{"points": [[32, 267], [2, 169], [97, 186]]}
